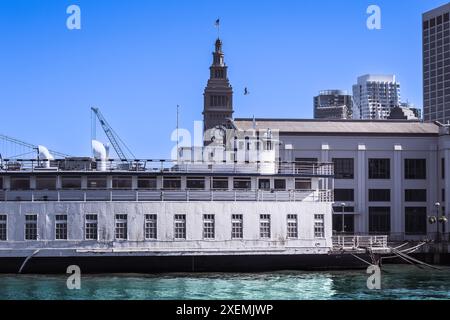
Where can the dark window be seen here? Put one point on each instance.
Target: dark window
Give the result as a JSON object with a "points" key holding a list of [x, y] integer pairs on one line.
{"points": [[121, 227], [280, 184], [208, 226], [344, 195], [121, 182], [91, 227], [220, 183], [348, 209], [349, 223], [146, 183], [443, 168], [1, 183], [71, 182], [180, 226], [379, 195], [61, 227], [302, 184], [415, 220], [292, 226], [31, 227], [379, 220], [3, 227], [264, 184], [172, 183], [237, 226], [264, 226], [343, 168], [415, 169], [415, 195], [20, 183], [151, 226], [195, 183], [242, 183], [45, 183], [379, 169]]}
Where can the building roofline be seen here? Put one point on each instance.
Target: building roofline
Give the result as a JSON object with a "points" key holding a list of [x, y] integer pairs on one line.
{"points": [[332, 120], [436, 10]]}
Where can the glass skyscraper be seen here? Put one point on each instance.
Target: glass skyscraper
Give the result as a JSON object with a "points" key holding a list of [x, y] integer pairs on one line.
{"points": [[436, 64]]}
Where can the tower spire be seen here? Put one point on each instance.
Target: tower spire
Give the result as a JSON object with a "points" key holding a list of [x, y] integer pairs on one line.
{"points": [[218, 95]]}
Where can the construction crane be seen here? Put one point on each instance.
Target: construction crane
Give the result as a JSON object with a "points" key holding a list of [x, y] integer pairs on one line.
{"points": [[122, 150], [24, 147]]}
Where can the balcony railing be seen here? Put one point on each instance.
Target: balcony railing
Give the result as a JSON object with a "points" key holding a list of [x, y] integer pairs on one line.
{"points": [[359, 242], [167, 195], [322, 169], [429, 236]]}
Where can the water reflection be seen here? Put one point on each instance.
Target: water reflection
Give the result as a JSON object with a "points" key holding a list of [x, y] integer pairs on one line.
{"points": [[398, 282]]}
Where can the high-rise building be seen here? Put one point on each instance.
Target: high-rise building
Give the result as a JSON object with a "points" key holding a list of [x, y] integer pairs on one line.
{"points": [[218, 95], [374, 96], [436, 64], [333, 104]]}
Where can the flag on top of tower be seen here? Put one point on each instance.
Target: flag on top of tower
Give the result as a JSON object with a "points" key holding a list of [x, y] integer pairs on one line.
{"points": [[217, 23]]}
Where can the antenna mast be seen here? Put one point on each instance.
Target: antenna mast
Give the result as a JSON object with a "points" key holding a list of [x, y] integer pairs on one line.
{"points": [[178, 152]]}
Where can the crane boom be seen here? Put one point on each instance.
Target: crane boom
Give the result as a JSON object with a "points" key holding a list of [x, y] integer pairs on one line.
{"points": [[112, 136]]}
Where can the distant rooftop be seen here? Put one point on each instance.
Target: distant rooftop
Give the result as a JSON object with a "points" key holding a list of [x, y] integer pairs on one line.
{"points": [[377, 78], [331, 92], [342, 127]]}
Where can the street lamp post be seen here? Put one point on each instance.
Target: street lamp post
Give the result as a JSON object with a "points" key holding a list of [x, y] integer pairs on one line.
{"points": [[343, 216], [437, 205]]}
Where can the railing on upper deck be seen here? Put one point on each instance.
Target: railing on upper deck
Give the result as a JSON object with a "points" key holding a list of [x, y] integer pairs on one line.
{"points": [[168, 195], [359, 242], [321, 169]]}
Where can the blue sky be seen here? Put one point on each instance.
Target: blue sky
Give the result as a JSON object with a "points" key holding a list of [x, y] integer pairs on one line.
{"points": [[137, 60]]}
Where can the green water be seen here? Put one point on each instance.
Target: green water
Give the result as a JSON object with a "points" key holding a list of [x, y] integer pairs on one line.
{"points": [[398, 282]]}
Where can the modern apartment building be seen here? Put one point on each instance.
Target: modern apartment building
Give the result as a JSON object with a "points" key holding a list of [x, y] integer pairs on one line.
{"points": [[374, 96]]}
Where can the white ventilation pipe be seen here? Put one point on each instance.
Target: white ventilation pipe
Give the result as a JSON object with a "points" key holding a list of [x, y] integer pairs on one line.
{"points": [[100, 154], [45, 155], [267, 154]]}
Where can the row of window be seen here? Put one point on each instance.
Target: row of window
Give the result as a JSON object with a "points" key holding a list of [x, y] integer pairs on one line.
{"points": [[151, 230], [380, 221], [435, 40], [435, 21], [147, 183], [415, 220], [218, 101], [217, 73], [383, 195], [380, 168], [439, 43]]}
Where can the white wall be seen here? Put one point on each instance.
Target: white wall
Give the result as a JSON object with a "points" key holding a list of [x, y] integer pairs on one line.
{"points": [[165, 211]]}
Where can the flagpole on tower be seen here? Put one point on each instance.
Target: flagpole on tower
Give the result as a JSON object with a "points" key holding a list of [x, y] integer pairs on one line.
{"points": [[217, 25]]}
